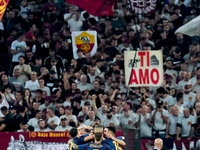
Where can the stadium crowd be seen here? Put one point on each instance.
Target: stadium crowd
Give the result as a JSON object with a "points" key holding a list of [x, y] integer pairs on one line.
{"points": [[43, 88]]}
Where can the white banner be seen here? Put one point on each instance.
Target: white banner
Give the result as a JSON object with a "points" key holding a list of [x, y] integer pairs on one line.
{"points": [[84, 40], [145, 70]]}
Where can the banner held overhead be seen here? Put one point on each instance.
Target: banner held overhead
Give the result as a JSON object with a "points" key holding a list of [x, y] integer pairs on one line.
{"points": [[145, 70]]}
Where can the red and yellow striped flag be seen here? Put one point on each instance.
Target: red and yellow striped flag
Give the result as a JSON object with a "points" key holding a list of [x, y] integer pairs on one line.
{"points": [[3, 6]]}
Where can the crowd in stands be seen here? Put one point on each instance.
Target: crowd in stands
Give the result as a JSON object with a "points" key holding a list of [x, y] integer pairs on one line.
{"points": [[44, 88]]}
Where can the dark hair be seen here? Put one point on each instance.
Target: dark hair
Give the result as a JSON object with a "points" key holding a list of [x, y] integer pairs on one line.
{"points": [[179, 96], [20, 33], [73, 132], [161, 90], [22, 109], [39, 91], [40, 120], [31, 128], [98, 136], [79, 50], [21, 57], [113, 129], [4, 109], [92, 21]]}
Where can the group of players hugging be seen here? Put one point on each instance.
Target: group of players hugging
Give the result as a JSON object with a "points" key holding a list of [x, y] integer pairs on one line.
{"points": [[99, 139]]}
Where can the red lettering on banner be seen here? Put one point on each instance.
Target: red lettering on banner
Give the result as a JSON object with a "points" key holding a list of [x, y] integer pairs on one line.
{"points": [[144, 77], [135, 77], [154, 81], [148, 60], [141, 54]]}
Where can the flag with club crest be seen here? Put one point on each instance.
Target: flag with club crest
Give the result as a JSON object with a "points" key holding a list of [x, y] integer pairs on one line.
{"points": [[3, 6]]}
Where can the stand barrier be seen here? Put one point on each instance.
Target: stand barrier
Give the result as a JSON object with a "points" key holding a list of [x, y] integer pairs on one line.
{"points": [[58, 141]]}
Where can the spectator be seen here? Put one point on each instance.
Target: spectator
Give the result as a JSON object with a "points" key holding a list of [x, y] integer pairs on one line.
{"points": [[20, 117], [52, 120], [8, 122], [34, 121], [128, 119], [145, 122], [186, 123], [32, 84], [41, 125], [18, 47], [4, 82], [69, 116], [30, 36], [90, 121], [83, 85], [16, 80], [63, 126], [188, 97], [42, 87], [2, 104], [172, 122], [159, 119], [24, 69], [75, 24]]}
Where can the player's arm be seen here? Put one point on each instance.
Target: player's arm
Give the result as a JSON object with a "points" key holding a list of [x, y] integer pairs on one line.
{"points": [[122, 143], [73, 145], [90, 137]]}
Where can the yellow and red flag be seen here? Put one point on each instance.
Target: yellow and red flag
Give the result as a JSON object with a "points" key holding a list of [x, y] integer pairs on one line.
{"points": [[3, 6]]}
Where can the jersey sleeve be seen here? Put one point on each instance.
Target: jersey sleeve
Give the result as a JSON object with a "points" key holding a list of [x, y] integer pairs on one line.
{"points": [[82, 147], [81, 139], [120, 138], [107, 147]]}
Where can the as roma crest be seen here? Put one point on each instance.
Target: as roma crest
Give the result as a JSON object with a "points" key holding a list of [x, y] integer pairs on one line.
{"points": [[85, 42]]}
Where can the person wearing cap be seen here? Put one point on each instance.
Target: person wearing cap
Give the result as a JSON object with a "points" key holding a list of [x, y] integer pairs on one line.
{"points": [[110, 120], [63, 125], [188, 96], [145, 122], [83, 85], [8, 122], [34, 121], [52, 55], [69, 116], [56, 68], [186, 124], [51, 119], [128, 119], [90, 121], [117, 22], [51, 82], [32, 84], [169, 82], [159, 120], [81, 122], [84, 98], [47, 103], [13, 111]]}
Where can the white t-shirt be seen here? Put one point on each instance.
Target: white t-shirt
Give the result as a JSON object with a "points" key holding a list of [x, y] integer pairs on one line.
{"points": [[7, 98], [70, 118], [186, 124], [110, 122], [32, 86], [182, 83], [74, 25], [33, 122], [92, 78], [172, 124], [189, 99], [53, 120], [159, 123], [101, 116], [88, 122], [84, 87], [45, 130], [88, 100], [181, 108], [66, 104], [61, 128], [168, 101], [17, 46], [173, 73], [145, 128], [46, 89], [128, 122]]}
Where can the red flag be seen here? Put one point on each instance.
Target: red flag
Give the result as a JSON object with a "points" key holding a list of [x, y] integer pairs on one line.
{"points": [[95, 7], [3, 6]]}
